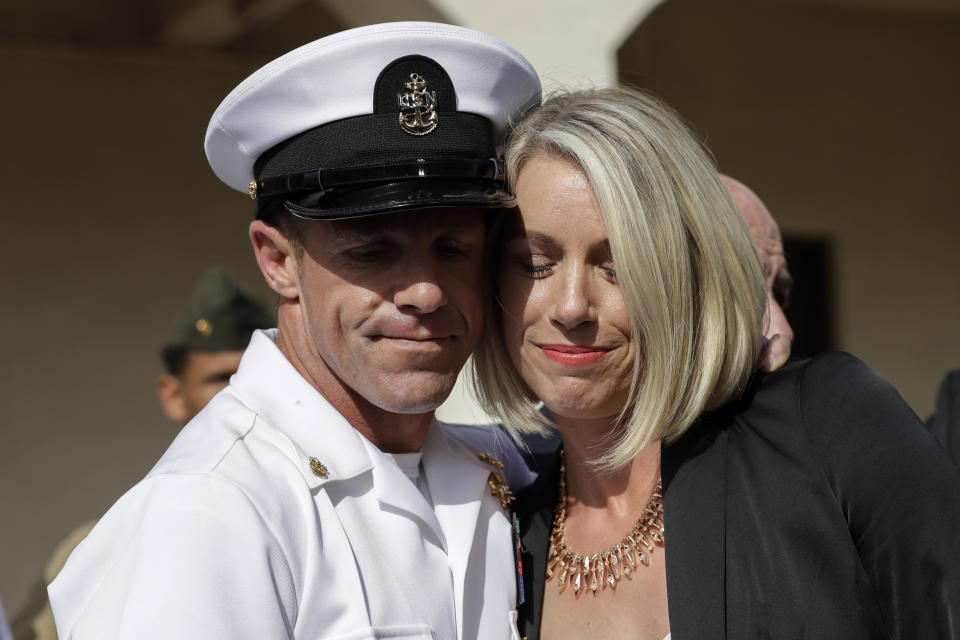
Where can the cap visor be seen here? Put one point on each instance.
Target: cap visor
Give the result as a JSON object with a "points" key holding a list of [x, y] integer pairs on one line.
{"points": [[399, 196]]}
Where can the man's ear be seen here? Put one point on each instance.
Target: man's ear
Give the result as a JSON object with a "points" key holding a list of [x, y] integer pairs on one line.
{"points": [[276, 258], [172, 400]]}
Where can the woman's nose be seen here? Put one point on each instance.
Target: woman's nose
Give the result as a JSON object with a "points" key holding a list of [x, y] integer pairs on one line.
{"points": [[572, 306]]}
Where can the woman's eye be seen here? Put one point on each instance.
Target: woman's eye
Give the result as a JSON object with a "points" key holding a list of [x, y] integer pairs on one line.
{"points": [[537, 269], [535, 264], [609, 271]]}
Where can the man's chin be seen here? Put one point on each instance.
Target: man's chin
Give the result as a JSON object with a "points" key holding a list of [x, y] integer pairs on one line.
{"points": [[416, 393]]}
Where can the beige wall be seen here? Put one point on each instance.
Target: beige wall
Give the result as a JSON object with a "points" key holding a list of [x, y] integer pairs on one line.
{"points": [[845, 122], [567, 45], [109, 213]]}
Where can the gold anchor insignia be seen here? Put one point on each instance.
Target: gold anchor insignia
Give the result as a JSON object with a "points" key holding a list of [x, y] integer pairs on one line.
{"points": [[498, 486], [318, 469], [417, 114]]}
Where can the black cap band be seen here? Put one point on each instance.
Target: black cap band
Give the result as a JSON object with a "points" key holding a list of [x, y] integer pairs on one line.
{"points": [[325, 180], [414, 143]]}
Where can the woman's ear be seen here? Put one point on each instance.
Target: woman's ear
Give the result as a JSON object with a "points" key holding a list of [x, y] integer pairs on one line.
{"points": [[276, 258]]}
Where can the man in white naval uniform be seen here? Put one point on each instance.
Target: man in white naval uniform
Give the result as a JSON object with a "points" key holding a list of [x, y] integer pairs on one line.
{"points": [[316, 497]]}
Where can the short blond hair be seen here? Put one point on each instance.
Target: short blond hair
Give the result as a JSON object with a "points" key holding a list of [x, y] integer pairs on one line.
{"points": [[688, 270]]}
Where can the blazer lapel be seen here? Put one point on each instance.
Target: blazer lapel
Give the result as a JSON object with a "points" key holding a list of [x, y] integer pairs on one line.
{"points": [[534, 508], [694, 507]]}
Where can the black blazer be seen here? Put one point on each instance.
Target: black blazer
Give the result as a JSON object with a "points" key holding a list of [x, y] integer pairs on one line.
{"points": [[945, 422], [817, 506]]}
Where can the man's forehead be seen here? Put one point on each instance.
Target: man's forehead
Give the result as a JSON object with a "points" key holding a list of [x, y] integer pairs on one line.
{"points": [[446, 220], [763, 228]]}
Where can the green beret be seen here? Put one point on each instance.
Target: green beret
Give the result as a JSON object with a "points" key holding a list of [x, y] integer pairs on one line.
{"points": [[219, 315]]}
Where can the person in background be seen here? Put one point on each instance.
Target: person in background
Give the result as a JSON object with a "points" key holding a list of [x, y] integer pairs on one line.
{"points": [[208, 339], [766, 236], [204, 349], [5, 632]]}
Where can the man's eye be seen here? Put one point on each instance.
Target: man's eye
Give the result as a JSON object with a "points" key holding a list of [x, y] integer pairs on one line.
{"points": [[368, 254], [455, 249], [782, 298], [782, 287]]}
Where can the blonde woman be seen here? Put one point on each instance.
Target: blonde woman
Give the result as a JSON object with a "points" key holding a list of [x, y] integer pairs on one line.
{"points": [[694, 497]]}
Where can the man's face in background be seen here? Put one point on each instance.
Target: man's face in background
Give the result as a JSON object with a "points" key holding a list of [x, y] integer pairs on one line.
{"points": [[202, 375]]}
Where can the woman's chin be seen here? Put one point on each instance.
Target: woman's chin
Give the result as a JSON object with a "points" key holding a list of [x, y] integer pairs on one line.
{"points": [[571, 408], [578, 399]]}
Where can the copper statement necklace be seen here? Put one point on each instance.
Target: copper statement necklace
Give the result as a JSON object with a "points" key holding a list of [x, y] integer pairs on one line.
{"points": [[608, 567]]}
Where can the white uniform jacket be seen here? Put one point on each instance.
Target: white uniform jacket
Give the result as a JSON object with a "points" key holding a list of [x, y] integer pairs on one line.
{"points": [[236, 533]]}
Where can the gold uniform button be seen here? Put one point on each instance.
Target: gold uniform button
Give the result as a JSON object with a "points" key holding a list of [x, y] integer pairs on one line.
{"points": [[318, 469]]}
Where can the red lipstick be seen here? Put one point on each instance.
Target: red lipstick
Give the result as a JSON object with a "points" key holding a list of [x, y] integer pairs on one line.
{"points": [[571, 354]]}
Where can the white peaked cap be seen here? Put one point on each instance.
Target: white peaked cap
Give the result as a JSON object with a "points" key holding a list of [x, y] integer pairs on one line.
{"points": [[333, 79]]}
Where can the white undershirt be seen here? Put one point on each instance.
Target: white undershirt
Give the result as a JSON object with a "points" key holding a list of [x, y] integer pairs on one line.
{"points": [[409, 463]]}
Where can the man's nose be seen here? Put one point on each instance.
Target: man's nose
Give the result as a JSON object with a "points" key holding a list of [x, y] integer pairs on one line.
{"points": [[778, 320], [420, 290]]}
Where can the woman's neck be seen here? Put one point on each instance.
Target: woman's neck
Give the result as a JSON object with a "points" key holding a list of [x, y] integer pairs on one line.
{"points": [[620, 490], [602, 508]]}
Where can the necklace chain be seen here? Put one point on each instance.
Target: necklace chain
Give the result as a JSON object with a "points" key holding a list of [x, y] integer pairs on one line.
{"points": [[606, 568]]}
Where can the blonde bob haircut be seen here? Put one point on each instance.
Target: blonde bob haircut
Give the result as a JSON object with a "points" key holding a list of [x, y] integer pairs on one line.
{"points": [[687, 268]]}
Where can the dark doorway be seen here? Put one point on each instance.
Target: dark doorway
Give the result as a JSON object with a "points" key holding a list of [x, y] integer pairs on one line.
{"points": [[810, 310]]}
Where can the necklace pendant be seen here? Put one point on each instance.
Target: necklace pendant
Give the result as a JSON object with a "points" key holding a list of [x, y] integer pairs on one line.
{"points": [[553, 562], [644, 541], [577, 585], [624, 566]]}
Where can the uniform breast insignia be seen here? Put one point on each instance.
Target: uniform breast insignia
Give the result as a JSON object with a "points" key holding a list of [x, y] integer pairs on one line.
{"points": [[318, 469], [498, 486], [418, 116]]}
